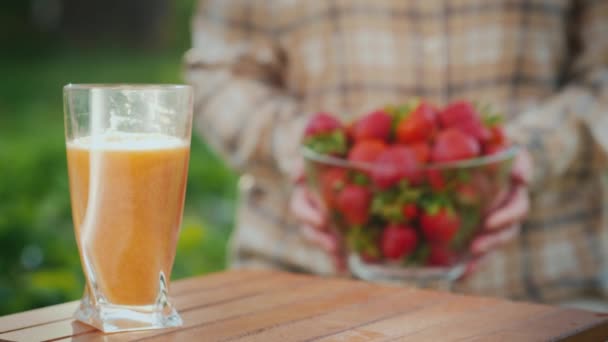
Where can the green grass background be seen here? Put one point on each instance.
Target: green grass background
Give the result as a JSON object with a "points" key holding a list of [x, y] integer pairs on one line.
{"points": [[39, 262]]}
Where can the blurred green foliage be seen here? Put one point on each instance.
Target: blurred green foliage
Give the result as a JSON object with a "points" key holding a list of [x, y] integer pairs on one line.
{"points": [[39, 263]]}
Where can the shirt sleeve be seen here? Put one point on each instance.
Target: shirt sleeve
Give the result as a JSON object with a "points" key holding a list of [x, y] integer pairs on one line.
{"points": [[553, 132], [237, 70]]}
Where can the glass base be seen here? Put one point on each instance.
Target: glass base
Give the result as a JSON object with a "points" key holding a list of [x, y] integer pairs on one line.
{"points": [[116, 318], [439, 278]]}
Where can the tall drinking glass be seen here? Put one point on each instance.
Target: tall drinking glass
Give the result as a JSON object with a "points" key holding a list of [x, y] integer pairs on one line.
{"points": [[128, 148]]}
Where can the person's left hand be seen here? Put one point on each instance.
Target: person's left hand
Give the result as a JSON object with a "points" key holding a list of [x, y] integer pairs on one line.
{"points": [[504, 223]]}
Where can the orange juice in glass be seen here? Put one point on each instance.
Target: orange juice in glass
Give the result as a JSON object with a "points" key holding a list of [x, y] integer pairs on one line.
{"points": [[128, 148]]}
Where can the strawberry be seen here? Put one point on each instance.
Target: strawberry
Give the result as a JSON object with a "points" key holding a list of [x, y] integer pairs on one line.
{"points": [[475, 129], [497, 142], [325, 134], [366, 151], [440, 255], [452, 144], [376, 125], [435, 179], [463, 116], [331, 181], [354, 202], [398, 241], [498, 136], [419, 126], [322, 123], [410, 211], [490, 149], [395, 164], [440, 226], [422, 150], [466, 194], [456, 113]]}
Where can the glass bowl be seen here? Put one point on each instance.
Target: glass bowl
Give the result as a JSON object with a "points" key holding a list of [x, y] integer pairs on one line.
{"points": [[463, 191]]}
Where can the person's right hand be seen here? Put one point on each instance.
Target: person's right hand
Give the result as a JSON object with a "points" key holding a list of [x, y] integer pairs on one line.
{"points": [[314, 223]]}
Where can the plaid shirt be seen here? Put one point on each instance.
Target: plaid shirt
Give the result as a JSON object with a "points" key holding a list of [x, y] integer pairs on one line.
{"points": [[259, 69]]}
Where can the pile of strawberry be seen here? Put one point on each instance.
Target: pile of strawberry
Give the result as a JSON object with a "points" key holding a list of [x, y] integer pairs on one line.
{"points": [[392, 202]]}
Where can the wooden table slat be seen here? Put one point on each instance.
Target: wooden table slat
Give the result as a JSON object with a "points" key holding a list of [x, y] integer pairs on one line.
{"points": [[283, 298], [452, 308], [348, 317], [475, 324], [261, 320], [38, 316], [66, 310], [207, 296], [562, 322], [274, 306]]}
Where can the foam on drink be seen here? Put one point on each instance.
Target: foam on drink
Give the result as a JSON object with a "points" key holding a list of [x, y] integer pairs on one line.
{"points": [[113, 141]]}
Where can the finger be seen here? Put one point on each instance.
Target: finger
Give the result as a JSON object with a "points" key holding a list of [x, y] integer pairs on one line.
{"points": [[514, 210], [303, 209], [338, 254], [313, 199], [522, 167], [500, 199], [324, 240], [297, 175], [315, 202], [488, 242]]}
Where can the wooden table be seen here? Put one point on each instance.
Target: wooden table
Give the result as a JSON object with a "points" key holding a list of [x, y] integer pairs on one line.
{"points": [[273, 306]]}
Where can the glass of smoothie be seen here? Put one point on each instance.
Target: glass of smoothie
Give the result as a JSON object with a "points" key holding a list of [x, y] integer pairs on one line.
{"points": [[128, 148]]}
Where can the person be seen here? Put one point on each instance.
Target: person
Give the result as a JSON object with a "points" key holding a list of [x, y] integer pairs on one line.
{"points": [[260, 69]]}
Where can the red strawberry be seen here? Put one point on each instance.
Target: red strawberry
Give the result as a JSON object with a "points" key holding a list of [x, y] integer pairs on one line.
{"points": [[398, 241], [435, 179], [440, 226], [466, 194], [322, 123], [353, 202], [422, 150], [440, 255], [376, 125], [498, 136], [475, 129], [462, 115], [452, 145], [497, 142], [490, 149], [457, 113], [366, 151], [325, 134], [419, 125], [395, 164], [331, 182], [410, 211]]}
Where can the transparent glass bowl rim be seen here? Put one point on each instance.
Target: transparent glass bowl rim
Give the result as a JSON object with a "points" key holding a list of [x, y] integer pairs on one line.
{"points": [[126, 86], [506, 154]]}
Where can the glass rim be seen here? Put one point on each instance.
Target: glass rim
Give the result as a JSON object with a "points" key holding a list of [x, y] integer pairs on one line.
{"points": [[506, 154], [126, 86]]}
